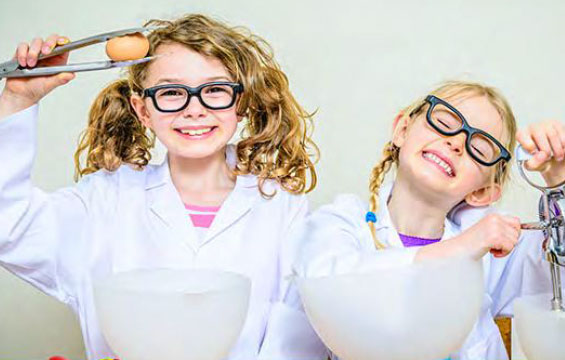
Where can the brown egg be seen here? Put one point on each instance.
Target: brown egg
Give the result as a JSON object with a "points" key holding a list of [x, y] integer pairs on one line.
{"points": [[128, 47]]}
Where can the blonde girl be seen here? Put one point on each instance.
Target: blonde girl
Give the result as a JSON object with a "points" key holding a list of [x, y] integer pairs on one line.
{"points": [[451, 151], [208, 205]]}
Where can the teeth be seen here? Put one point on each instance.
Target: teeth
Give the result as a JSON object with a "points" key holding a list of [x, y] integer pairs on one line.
{"points": [[440, 162], [196, 132]]}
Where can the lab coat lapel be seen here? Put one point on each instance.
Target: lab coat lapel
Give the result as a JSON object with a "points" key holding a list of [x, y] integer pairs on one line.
{"points": [[166, 204], [236, 205]]}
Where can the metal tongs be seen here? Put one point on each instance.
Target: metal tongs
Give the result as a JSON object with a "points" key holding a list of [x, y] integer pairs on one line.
{"points": [[552, 222], [13, 69]]}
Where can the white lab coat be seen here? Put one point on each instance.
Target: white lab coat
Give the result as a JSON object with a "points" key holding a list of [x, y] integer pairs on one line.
{"points": [[123, 220], [336, 240]]}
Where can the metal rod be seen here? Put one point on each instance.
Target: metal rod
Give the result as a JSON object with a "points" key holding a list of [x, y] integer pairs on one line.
{"points": [[557, 301], [538, 225]]}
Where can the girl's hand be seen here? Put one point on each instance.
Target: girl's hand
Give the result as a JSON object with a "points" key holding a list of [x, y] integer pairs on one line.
{"points": [[494, 233], [20, 93], [546, 141]]}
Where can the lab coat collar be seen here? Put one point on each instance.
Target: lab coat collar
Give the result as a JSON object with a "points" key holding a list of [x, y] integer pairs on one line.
{"points": [[385, 222], [237, 204], [166, 203]]}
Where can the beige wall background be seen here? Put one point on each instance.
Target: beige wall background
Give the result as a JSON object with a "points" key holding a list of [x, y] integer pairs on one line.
{"points": [[356, 62]]}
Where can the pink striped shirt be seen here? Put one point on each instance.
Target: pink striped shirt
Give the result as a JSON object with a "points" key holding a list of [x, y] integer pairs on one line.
{"points": [[202, 216]]}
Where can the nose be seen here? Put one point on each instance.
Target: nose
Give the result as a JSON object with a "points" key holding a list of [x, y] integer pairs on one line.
{"points": [[456, 143], [194, 108]]}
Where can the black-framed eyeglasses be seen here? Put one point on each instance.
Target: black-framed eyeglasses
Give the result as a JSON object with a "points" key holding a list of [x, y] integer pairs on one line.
{"points": [[480, 145], [176, 97]]}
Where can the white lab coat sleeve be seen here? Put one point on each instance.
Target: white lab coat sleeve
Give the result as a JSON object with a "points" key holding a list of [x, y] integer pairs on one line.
{"points": [[336, 240], [35, 226], [495, 348], [489, 347], [524, 272], [289, 335]]}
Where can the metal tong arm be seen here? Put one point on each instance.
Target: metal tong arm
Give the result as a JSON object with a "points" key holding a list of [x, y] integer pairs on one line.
{"points": [[13, 65], [521, 157], [88, 66]]}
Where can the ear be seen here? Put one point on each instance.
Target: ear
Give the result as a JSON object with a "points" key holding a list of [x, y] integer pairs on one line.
{"points": [[399, 129], [240, 116], [484, 196], [138, 104]]}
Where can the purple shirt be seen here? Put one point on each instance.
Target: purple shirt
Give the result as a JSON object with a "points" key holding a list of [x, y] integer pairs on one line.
{"points": [[409, 241]]}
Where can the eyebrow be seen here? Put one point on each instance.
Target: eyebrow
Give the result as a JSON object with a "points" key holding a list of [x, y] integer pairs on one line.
{"points": [[209, 79]]}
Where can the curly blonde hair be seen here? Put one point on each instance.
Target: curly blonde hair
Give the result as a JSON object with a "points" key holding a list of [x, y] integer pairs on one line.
{"points": [[275, 142], [446, 91]]}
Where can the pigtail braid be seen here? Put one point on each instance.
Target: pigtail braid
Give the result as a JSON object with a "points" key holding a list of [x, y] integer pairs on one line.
{"points": [[390, 157]]}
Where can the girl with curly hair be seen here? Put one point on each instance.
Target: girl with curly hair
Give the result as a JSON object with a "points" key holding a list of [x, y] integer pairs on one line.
{"points": [[209, 204]]}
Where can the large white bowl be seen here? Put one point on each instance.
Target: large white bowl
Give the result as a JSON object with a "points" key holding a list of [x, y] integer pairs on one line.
{"points": [[540, 330], [417, 312], [172, 314]]}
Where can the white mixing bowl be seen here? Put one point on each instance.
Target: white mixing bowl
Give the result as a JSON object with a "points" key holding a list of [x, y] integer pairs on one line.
{"points": [[541, 331], [172, 314], [417, 312]]}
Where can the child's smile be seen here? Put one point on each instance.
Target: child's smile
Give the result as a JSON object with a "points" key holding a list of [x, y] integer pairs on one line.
{"points": [[441, 161], [196, 132]]}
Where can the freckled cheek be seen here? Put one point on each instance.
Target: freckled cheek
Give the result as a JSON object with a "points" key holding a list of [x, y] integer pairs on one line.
{"points": [[161, 127], [415, 143], [421, 134], [480, 174], [228, 123], [162, 120], [405, 157]]}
